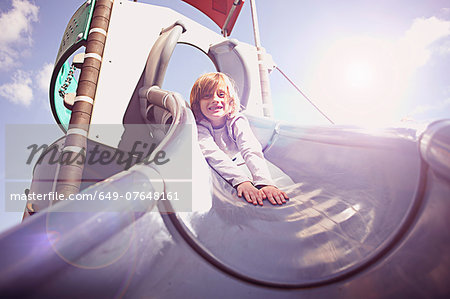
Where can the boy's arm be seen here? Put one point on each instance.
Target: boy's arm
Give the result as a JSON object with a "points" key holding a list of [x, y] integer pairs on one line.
{"points": [[251, 151], [219, 160]]}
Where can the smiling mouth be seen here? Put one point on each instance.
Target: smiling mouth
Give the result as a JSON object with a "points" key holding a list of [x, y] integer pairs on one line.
{"points": [[215, 108]]}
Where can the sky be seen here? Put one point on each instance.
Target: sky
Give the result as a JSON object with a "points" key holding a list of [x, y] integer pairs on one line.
{"points": [[362, 62]]}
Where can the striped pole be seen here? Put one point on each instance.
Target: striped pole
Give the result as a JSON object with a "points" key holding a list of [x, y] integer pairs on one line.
{"points": [[74, 151]]}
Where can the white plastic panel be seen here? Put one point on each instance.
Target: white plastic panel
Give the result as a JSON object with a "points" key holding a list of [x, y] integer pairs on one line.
{"points": [[133, 29]]}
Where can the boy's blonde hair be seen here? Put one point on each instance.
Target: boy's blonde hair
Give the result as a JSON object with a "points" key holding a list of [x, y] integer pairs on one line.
{"points": [[207, 84]]}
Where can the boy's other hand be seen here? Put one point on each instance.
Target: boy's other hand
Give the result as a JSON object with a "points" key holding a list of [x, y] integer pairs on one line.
{"points": [[250, 192], [274, 195]]}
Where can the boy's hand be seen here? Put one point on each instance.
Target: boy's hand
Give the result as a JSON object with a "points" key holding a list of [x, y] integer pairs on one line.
{"points": [[251, 194], [274, 195]]}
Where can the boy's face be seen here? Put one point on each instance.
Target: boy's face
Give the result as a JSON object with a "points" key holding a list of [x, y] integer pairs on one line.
{"points": [[215, 106]]}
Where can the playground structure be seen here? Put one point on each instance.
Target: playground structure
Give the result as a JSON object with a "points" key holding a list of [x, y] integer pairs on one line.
{"points": [[368, 213]]}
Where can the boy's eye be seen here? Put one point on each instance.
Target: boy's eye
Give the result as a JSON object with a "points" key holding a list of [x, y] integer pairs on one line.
{"points": [[207, 96], [221, 94]]}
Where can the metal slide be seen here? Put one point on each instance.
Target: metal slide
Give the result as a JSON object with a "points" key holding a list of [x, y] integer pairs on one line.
{"points": [[361, 208]]}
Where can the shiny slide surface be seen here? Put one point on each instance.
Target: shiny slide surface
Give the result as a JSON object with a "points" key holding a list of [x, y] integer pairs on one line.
{"points": [[362, 206]]}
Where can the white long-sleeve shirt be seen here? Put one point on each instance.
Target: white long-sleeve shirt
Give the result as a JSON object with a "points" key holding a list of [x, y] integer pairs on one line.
{"points": [[221, 146]]}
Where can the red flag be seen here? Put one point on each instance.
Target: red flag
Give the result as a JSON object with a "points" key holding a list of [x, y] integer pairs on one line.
{"points": [[218, 11]]}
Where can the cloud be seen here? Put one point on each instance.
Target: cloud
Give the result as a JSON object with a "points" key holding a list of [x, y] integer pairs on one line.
{"points": [[424, 109], [414, 47], [23, 83], [16, 32], [43, 77], [19, 91]]}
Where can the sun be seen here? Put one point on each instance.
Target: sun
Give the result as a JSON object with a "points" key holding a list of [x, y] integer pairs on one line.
{"points": [[360, 74], [357, 81]]}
